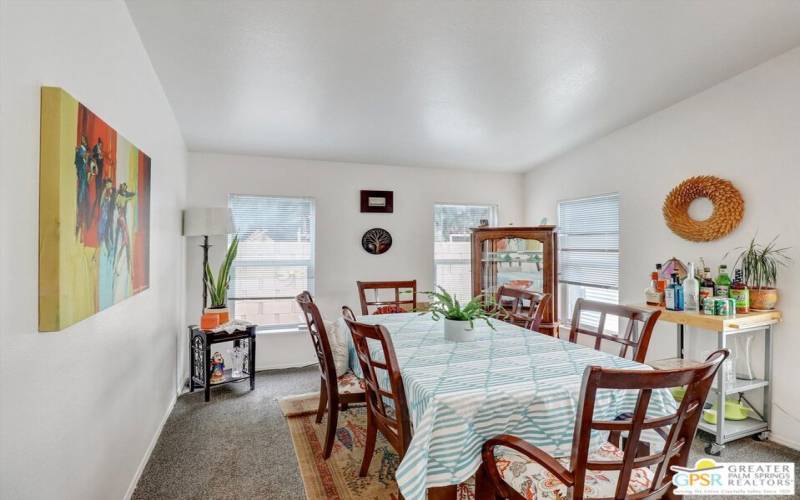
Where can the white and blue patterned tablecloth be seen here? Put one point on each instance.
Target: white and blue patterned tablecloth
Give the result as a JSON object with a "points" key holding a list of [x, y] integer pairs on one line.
{"points": [[509, 380]]}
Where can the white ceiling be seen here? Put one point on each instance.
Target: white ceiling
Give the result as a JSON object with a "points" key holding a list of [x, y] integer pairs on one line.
{"points": [[485, 84]]}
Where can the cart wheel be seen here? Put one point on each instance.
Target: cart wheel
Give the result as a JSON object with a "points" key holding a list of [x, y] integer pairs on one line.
{"points": [[713, 449], [761, 436]]}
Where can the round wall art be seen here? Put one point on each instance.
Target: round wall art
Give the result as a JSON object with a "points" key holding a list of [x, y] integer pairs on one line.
{"points": [[376, 241], [726, 199]]}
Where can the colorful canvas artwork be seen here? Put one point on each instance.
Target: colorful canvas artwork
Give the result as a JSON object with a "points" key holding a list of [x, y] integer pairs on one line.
{"points": [[94, 214]]}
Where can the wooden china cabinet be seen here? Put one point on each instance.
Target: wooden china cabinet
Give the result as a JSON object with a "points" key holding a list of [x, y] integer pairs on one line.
{"points": [[519, 257]]}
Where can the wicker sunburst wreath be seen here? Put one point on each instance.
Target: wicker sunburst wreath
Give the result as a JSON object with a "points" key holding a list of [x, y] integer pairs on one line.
{"points": [[728, 208]]}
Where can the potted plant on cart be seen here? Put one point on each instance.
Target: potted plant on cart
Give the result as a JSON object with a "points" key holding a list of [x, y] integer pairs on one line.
{"points": [[760, 265], [459, 321], [218, 287]]}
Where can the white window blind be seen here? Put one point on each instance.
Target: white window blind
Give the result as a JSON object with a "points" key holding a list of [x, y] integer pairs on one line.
{"points": [[588, 232], [451, 244], [275, 260]]}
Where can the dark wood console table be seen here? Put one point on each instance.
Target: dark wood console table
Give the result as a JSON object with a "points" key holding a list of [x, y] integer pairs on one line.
{"points": [[200, 357]]}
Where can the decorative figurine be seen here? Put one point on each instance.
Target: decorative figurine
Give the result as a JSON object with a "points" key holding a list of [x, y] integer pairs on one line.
{"points": [[217, 368]]}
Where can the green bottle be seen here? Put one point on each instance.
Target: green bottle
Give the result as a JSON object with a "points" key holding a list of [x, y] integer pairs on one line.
{"points": [[722, 287], [741, 293]]}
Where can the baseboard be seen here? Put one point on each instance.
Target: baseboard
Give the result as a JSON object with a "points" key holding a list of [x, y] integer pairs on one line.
{"points": [[150, 447], [183, 389], [784, 442], [283, 366]]}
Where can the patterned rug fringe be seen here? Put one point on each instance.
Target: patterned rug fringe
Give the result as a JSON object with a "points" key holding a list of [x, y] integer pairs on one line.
{"points": [[337, 478], [299, 404]]}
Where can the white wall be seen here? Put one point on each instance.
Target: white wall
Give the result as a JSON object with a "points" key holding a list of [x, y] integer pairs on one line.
{"points": [[80, 408], [340, 260], [746, 129]]}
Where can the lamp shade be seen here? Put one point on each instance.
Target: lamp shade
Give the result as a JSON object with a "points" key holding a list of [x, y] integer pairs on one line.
{"points": [[207, 221]]}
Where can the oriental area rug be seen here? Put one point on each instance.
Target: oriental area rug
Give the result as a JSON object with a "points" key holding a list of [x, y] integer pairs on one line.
{"points": [[337, 478]]}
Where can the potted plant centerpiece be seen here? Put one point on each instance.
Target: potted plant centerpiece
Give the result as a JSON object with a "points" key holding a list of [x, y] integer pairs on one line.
{"points": [[760, 265], [218, 287], [459, 321]]}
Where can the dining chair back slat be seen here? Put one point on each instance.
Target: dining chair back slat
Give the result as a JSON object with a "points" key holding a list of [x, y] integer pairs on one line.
{"points": [[522, 307], [387, 306], [329, 397], [632, 338], [683, 423], [391, 420], [597, 381], [319, 336]]}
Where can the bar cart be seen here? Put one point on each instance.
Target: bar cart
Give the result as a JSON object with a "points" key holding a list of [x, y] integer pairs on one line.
{"points": [[727, 328]]}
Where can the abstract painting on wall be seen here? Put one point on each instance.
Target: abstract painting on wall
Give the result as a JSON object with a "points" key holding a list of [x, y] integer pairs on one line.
{"points": [[94, 214]]}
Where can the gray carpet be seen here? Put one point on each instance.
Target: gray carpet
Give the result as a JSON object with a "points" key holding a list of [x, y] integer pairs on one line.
{"points": [[238, 445], [747, 450]]}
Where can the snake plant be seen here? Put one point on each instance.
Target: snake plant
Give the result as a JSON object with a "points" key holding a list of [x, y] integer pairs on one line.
{"points": [[218, 288]]}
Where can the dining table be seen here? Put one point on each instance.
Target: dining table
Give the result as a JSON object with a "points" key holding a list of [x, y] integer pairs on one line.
{"points": [[506, 380]]}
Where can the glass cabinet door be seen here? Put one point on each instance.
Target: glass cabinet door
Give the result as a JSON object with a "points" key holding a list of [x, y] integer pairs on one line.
{"points": [[511, 262]]}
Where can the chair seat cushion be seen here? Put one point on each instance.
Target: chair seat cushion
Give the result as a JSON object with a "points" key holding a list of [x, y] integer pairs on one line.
{"points": [[390, 309], [350, 384], [533, 481], [337, 338]]}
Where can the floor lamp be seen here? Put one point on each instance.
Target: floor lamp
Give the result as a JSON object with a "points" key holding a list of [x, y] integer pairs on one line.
{"points": [[205, 222]]}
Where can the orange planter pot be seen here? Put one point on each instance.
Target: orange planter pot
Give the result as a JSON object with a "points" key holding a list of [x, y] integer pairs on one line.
{"points": [[209, 321], [763, 299], [223, 313]]}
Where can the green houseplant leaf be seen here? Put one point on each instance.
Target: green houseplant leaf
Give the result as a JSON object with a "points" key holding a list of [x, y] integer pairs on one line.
{"points": [[444, 305], [760, 263], [218, 288]]}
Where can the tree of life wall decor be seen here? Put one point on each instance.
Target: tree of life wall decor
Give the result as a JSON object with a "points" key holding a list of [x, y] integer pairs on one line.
{"points": [[376, 241], [94, 214]]}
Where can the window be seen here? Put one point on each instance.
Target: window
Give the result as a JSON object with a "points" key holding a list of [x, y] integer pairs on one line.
{"points": [[275, 260], [451, 244], [588, 234]]}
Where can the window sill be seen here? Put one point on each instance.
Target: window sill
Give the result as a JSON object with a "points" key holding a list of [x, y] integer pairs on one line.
{"points": [[278, 331]]}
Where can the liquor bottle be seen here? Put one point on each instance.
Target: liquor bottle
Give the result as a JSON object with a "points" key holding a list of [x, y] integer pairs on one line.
{"points": [[651, 294], [740, 293], [674, 294], [669, 298], [691, 290], [723, 285], [661, 283], [706, 286]]}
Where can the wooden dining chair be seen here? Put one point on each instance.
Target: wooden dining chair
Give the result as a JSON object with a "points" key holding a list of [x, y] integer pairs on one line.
{"points": [[348, 313], [515, 469], [387, 306], [335, 389], [387, 410], [634, 337], [522, 307]]}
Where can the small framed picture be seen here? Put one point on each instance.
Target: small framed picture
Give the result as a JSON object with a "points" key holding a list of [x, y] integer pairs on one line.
{"points": [[377, 201]]}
